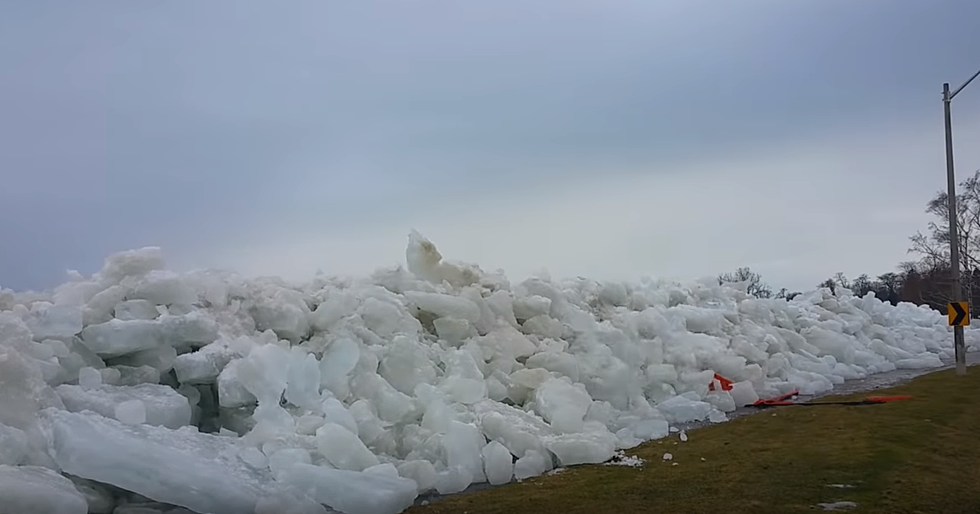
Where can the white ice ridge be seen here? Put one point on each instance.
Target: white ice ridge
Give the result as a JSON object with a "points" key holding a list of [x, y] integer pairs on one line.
{"points": [[211, 392]]}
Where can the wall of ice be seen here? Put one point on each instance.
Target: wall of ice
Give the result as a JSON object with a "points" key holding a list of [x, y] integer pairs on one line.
{"points": [[141, 388]]}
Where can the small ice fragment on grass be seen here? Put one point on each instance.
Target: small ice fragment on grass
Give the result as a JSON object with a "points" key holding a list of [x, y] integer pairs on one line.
{"points": [[555, 471], [668, 456], [841, 486], [717, 416], [674, 430], [683, 436], [837, 505], [621, 459]]}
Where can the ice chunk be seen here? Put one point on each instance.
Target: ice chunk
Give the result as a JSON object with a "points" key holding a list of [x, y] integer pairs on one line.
{"points": [[98, 497], [14, 445], [335, 412], [681, 409], [650, 429], [110, 376], [532, 464], [303, 379], [425, 262], [343, 449], [721, 400], [386, 318], [333, 309], [286, 458], [517, 430], [614, 293], [562, 403], [743, 393], [164, 288], [231, 392], [453, 480], [544, 326], [392, 405], [924, 361], [582, 448], [193, 329], [135, 375], [445, 306], [117, 337], [14, 332], [265, 372], [337, 362], [163, 405], [453, 330], [406, 365], [498, 463], [464, 381], [560, 362], [136, 309], [284, 503], [352, 492], [190, 469], [89, 378], [161, 358], [131, 412], [22, 389], [60, 322], [502, 304], [287, 319], [132, 263], [509, 342], [79, 356], [387, 469], [463, 443], [33, 489], [528, 307], [421, 471], [203, 366], [254, 457]]}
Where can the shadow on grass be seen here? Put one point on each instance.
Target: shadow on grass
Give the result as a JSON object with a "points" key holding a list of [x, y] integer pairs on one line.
{"points": [[913, 456]]}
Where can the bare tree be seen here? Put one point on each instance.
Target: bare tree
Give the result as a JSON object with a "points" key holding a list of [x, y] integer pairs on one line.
{"points": [[933, 246], [755, 285], [862, 285], [830, 283]]}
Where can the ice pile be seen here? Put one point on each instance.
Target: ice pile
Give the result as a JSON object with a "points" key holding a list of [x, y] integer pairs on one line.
{"points": [[153, 391]]}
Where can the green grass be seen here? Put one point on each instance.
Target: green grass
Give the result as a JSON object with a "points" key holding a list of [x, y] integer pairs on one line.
{"points": [[913, 456]]}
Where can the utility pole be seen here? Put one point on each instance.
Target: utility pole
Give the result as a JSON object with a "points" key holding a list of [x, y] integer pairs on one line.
{"points": [[954, 238]]}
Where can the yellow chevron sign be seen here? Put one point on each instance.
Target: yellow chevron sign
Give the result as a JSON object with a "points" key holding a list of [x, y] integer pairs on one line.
{"points": [[959, 314]]}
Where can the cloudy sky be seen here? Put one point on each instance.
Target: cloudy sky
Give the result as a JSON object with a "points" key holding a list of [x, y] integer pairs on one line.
{"points": [[612, 139]]}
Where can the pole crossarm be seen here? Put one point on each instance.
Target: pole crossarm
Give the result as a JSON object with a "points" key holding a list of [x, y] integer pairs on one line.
{"points": [[967, 83]]}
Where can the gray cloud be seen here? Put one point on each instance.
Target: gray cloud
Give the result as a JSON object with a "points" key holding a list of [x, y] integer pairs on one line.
{"points": [[220, 125]]}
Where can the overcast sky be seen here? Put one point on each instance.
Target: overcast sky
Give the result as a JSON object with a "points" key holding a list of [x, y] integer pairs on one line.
{"points": [[614, 139]]}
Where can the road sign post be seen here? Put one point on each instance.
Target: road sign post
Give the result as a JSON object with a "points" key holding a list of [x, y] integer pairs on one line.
{"points": [[954, 246]]}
